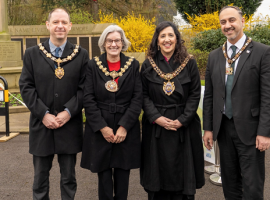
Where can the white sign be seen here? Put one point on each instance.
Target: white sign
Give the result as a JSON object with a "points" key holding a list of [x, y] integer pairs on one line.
{"points": [[209, 155], [1, 95]]}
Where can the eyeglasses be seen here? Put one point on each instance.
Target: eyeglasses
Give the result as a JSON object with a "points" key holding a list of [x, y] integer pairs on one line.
{"points": [[117, 41]]}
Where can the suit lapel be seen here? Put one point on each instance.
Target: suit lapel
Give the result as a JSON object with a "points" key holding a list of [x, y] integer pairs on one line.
{"points": [[47, 47], [222, 66], [241, 62]]}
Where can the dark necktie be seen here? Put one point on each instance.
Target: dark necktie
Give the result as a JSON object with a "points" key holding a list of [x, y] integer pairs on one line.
{"points": [[57, 54], [228, 101]]}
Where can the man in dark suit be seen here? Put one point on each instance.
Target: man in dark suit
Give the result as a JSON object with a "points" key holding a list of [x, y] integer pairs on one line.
{"points": [[51, 85], [236, 108]]}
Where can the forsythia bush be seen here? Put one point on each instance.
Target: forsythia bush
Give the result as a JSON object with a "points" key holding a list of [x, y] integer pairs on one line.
{"points": [[210, 21], [204, 22], [138, 30]]}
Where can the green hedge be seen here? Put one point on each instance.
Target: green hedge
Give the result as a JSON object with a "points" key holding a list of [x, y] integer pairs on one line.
{"points": [[201, 59], [260, 34], [208, 40]]}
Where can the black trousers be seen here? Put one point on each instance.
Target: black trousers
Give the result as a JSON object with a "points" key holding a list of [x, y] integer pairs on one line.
{"points": [[242, 166], [168, 195], [42, 167], [116, 180]]}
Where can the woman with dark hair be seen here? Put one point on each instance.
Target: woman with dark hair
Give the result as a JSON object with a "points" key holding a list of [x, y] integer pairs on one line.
{"points": [[172, 153]]}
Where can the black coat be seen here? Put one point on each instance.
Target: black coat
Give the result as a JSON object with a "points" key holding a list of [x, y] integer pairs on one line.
{"points": [[41, 90], [171, 161], [98, 154], [250, 93]]}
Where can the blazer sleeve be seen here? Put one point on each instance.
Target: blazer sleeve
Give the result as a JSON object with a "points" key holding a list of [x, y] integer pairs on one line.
{"points": [[264, 128], [74, 105], [133, 111], [150, 110], [28, 89], [194, 95], [92, 112], [208, 99]]}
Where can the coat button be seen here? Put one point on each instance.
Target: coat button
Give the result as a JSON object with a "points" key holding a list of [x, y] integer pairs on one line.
{"points": [[221, 111], [56, 95]]}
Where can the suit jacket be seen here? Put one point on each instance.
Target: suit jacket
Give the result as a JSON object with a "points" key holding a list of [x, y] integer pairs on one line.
{"points": [[250, 93], [41, 90], [112, 109]]}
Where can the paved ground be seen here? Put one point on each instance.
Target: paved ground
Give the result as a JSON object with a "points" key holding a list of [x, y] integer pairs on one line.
{"points": [[16, 172]]}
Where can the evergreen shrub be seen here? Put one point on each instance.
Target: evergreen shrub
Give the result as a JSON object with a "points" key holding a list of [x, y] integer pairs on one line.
{"points": [[208, 40], [201, 59]]}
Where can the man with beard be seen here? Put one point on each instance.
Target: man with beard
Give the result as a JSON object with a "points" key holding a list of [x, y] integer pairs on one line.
{"points": [[236, 107], [51, 86]]}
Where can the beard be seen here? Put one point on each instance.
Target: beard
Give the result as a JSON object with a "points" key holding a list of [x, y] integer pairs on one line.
{"points": [[233, 36]]}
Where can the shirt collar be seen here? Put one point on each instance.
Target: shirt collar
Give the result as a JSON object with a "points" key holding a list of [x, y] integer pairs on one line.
{"points": [[53, 47], [239, 44]]}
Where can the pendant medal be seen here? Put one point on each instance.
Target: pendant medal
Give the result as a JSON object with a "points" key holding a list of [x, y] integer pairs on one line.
{"points": [[168, 87], [111, 86], [229, 70], [59, 72]]}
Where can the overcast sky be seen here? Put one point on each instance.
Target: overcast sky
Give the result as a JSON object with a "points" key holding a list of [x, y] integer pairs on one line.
{"points": [[264, 8]]}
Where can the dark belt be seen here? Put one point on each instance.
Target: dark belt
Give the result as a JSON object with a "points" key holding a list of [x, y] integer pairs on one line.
{"points": [[112, 107], [162, 111], [170, 105]]}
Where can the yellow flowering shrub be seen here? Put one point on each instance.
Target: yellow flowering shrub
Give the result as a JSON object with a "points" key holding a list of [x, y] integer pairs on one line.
{"points": [[138, 30], [211, 21], [204, 22], [187, 35]]}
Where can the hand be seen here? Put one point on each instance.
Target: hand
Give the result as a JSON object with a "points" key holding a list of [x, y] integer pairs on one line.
{"points": [[262, 142], [174, 125], [163, 121], [120, 135], [62, 118], [208, 139], [50, 122], [107, 133]]}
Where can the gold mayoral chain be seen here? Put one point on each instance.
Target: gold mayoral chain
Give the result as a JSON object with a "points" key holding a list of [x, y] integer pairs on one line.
{"points": [[229, 70], [168, 87], [59, 71], [112, 85]]}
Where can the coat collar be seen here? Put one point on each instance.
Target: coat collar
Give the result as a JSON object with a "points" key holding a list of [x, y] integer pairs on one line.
{"points": [[165, 67], [244, 56], [123, 60], [47, 47], [67, 51]]}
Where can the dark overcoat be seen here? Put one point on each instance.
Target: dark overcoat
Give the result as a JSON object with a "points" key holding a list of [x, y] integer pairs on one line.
{"points": [[41, 90], [112, 109], [171, 160]]}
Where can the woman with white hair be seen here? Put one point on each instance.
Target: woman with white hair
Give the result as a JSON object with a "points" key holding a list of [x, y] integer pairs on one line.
{"points": [[112, 102]]}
